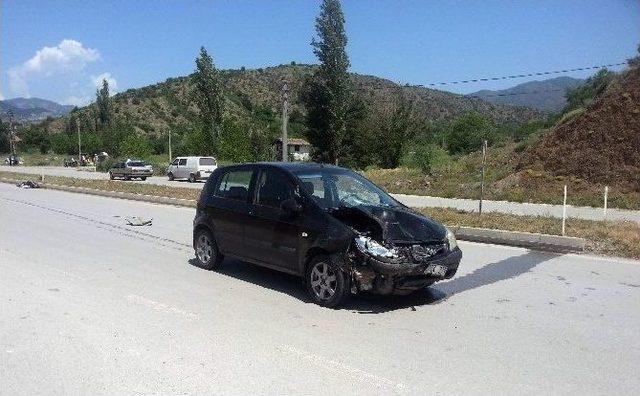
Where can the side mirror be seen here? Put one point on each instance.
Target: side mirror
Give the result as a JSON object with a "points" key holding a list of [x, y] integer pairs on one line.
{"points": [[291, 206]]}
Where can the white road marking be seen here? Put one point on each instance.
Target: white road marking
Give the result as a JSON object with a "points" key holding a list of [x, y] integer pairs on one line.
{"points": [[158, 306], [341, 368]]}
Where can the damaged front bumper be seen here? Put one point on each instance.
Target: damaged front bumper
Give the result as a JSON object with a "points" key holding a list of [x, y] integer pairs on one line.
{"points": [[402, 276]]}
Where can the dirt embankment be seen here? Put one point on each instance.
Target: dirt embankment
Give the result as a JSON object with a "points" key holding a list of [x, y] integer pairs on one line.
{"points": [[601, 145]]}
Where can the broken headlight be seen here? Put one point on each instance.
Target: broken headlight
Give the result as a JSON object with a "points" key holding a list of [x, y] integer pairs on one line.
{"points": [[368, 246], [451, 238]]}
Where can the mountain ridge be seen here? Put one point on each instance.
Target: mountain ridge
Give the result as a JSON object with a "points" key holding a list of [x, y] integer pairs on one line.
{"points": [[32, 109], [547, 96], [156, 108]]}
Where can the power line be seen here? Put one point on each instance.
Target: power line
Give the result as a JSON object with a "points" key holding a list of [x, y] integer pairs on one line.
{"points": [[545, 73], [517, 93]]}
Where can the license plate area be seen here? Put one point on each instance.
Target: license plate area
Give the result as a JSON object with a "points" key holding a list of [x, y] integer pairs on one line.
{"points": [[436, 270]]}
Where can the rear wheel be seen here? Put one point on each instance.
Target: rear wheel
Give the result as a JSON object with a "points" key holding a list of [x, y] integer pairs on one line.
{"points": [[192, 178], [171, 177], [207, 252], [111, 177], [143, 178], [327, 285], [127, 177]]}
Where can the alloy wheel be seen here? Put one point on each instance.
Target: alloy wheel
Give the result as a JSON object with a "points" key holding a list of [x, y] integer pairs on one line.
{"points": [[204, 248], [324, 282]]}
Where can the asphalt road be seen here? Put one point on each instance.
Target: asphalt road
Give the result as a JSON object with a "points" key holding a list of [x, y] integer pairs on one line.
{"points": [[410, 200], [90, 305]]}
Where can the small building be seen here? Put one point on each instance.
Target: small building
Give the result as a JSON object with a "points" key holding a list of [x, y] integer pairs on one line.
{"points": [[298, 149]]}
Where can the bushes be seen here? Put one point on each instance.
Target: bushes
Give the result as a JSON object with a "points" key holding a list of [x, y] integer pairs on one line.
{"points": [[425, 157]]}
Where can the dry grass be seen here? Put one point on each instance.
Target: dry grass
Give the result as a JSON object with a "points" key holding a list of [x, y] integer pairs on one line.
{"points": [[460, 178], [614, 238]]}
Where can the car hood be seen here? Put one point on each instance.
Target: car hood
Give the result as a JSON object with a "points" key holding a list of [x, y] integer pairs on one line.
{"points": [[398, 225]]}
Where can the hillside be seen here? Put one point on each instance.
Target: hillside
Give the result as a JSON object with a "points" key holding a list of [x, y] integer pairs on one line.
{"points": [[32, 109], [600, 144], [157, 108], [546, 95]]}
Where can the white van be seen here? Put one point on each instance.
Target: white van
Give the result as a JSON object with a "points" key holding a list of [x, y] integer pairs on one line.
{"points": [[191, 168]]}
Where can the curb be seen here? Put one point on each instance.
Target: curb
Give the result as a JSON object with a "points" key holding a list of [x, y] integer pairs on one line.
{"points": [[553, 243], [114, 194]]}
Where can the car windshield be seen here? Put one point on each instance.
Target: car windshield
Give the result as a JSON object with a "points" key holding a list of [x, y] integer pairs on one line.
{"points": [[136, 163], [334, 188]]}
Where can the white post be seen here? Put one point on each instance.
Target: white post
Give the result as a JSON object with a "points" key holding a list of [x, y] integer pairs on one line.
{"points": [[564, 209], [606, 195]]}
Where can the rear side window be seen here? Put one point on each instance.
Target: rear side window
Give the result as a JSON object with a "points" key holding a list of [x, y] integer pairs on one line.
{"points": [[207, 161], [175, 162], [273, 187], [183, 161], [234, 185]]}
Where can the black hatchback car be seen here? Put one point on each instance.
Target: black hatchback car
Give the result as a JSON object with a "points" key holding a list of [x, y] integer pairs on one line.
{"points": [[326, 224]]}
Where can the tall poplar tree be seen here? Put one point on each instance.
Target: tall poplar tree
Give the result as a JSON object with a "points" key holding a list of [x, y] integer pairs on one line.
{"points": [[328, 92], [209, 98]]}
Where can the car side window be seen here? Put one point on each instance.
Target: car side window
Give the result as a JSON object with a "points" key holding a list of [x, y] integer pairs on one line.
{"points": [[272, 188], [182, 162], [175, 162], [234, 185]]}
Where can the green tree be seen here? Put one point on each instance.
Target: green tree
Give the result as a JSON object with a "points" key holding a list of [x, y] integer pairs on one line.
{"points": [[586, 93], [135, 146], [103, 104], [466, 133], [327, 94], [394, 133], [635, 61], [5, 147], [209, 98]]}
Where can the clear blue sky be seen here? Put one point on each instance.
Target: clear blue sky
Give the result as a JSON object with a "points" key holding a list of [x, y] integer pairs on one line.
{"points": [[141, 42]]}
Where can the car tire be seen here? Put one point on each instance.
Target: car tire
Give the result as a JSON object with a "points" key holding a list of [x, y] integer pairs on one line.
{"points": [[111, 176], [207, 254], [143, 178], [170, 176], [192, 178], [326, 283], [127, 178]]}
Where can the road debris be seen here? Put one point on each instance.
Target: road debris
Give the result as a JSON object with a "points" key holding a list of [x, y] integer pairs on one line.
{"points": [[28, 184], [138, 221]]}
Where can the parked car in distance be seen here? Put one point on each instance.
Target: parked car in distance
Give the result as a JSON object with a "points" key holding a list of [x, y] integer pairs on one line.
{"points": [[131, 169], [328, 225], [191, 168]]}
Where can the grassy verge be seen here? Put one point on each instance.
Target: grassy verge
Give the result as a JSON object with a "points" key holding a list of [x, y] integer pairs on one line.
{"points": [[619, 238], [460, 178], [614, 238]]}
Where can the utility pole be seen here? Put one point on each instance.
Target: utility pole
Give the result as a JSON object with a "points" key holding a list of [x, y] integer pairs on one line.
{"points": [[170, 156], [12, 135], [484, 160], [285, 109]]}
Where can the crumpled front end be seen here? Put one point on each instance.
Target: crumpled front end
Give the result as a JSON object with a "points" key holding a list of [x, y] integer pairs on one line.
{"points": [[404, 268], [382, 263]]}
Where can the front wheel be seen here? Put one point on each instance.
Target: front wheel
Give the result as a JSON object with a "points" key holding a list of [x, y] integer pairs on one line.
{"points": [[327, 285], [111, 177], [207, 252], [192, 178], [170, 176], [143, 178]]}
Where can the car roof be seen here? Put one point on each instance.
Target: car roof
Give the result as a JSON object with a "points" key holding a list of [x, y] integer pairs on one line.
{"points": [[292, 166]]}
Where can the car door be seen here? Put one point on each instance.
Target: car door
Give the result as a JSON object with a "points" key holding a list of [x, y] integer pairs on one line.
{"points": [[173, 166], [228, 208], [272, 234], [180, 169]]}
